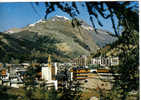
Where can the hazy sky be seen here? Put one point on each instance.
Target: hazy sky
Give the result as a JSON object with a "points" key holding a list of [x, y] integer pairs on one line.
{"points": [[17, 15]]}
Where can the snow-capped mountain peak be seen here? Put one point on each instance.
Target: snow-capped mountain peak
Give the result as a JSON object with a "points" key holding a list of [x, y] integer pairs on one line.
{"points": [[63, 17], [39, 21]]}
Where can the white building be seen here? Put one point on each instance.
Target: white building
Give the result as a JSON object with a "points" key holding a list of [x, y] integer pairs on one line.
{"points": [[109, 61], [114, 61], [96, 61], [81, 61], [46, 73], [49, 73]]}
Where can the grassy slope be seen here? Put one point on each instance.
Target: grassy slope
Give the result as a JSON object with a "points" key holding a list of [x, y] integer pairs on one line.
{"points": [[22, 48], [64, 32]]}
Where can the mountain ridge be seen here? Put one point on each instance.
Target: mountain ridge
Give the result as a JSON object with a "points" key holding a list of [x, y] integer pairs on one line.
{"points": [[73, 41], [100, 39]]}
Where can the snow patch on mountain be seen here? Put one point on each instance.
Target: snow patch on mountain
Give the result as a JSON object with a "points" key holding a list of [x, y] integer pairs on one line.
{"points": [[87, 27], [9, 31], [63, 17], [39, 21]]}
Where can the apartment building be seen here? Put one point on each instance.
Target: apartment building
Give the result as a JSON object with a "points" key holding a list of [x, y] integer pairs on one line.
{"points": [[105, 61], [79, 73], [81, 61]]}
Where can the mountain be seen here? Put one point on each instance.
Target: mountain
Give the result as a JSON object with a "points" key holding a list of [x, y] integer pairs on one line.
{"points": [[71, 42], [26, 50], [103, 37], [121, 47]]}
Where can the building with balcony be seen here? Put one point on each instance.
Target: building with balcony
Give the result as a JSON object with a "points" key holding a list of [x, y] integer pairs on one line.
{"points": [[79, 73]]}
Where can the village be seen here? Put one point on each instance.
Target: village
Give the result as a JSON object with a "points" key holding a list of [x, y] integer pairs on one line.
{"points": [[93, 74]]}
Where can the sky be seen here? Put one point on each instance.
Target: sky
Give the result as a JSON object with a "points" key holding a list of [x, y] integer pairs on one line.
{"points": [[18, 15]]}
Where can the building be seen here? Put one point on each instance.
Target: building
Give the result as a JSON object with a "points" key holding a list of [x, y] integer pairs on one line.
{"points": [[114, 61], [105, 61], [16, 81], [81, 61], [4, 75], [11, 75], [96, 61], [79, 73], [49, 73]]}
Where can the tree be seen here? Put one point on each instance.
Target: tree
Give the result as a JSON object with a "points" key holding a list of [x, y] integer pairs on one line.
{"points": [[126, 28], [14, 61], [112, 10]]}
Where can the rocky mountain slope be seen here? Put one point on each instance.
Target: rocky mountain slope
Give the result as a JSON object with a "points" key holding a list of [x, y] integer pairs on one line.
{"points": [[71, 41]]}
